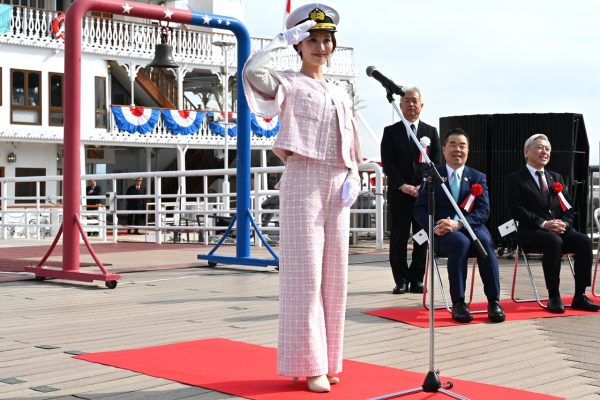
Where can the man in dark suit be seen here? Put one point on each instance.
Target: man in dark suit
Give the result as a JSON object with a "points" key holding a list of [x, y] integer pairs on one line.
{"points": [[93, 190], [135, 204], [469, 189], [404, 167], [538, 200]]}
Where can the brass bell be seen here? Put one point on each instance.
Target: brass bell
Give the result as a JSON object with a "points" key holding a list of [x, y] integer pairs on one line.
{"points": [[163, 53], [163, 57]]}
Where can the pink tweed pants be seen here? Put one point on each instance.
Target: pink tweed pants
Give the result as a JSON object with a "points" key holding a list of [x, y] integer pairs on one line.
{"points": [[313, 268]]}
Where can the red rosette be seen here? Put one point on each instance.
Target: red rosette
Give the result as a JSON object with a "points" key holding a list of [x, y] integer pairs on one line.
{"points": [[557, 187], [476, 189]]}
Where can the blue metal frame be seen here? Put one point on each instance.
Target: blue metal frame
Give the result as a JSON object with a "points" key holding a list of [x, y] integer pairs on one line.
{"points": [[243, 215]]}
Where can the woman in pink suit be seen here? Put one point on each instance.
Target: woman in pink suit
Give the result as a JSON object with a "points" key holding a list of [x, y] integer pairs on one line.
{"points": [[319, 145]]}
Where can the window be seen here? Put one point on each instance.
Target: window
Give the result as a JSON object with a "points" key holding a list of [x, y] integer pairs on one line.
{"points": [[55, 99], [26, 95], [26, 3], [100, 101], [27, 189]]}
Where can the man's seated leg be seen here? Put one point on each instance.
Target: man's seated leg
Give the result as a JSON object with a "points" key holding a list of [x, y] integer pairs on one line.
{"points": [[455, 246], [490, 275], [550, 245], [580, 245]]}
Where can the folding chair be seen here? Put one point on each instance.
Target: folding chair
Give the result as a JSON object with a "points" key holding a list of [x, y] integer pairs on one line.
{"points": [[447, 304], [597, 224], [537, 298]]}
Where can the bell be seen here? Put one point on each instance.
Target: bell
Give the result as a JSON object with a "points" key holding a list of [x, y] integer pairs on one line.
{"points": [[163, 57]]}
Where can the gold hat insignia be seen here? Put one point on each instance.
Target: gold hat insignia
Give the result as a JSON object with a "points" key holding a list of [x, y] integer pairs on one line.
{"points": [[317, 15]]}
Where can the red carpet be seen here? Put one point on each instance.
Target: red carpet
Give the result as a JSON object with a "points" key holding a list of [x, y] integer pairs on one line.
{"points": [[248, 370], [514, 312]]}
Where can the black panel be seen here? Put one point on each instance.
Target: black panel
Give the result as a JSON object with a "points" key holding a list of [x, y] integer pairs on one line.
{"points": [[496, 148]]}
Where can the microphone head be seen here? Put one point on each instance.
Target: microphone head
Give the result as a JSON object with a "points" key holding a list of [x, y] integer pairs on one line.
{"points": [[370, 70]]}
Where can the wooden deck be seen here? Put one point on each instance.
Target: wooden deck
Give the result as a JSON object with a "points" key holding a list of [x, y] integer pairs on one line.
{"points": [[558, 356]]}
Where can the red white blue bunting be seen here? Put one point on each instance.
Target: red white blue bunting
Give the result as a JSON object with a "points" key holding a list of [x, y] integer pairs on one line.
{"points": [[183, 122], [135, 119], [216, 127], [264, 127]]}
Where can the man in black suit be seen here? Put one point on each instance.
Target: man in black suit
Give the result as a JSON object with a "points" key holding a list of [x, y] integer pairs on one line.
{"points": [[93, 190], [538, 200], [404, 169], [469, 190], [135, 204]]}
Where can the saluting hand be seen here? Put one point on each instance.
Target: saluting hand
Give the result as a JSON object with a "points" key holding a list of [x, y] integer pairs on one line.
{"points": [[299, 32]]}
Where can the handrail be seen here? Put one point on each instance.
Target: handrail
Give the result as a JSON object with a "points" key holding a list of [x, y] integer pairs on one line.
{"points": [[41, 217]]}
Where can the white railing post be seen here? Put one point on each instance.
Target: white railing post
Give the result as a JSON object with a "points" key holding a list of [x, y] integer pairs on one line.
{"points": [[157, 210]]}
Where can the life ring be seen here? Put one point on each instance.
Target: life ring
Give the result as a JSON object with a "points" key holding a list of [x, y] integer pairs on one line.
{"points": [[58, 26]]}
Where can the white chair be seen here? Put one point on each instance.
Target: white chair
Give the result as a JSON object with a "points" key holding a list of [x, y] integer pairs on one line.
{"points": [[537, 298], [597, 225]]}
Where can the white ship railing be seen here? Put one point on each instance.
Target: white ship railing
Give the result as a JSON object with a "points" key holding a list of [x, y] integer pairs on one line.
{"points": [[170, 217], [126, 40]]}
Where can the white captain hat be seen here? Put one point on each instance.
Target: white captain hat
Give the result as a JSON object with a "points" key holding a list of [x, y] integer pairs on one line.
{"points": [[325, 16]]}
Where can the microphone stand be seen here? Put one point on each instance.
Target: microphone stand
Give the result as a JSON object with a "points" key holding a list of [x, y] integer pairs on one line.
{"points": [[432, 383]]}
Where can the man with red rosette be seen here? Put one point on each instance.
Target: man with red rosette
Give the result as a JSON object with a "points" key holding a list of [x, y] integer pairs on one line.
{"points": [[538, 200], [469, 189], [404, 167]]}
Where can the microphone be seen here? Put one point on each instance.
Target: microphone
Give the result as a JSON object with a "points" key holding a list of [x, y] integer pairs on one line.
{"points": [[387, 83]]}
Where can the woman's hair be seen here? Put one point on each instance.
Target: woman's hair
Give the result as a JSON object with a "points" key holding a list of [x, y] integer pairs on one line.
{"points": [[332, 40]]}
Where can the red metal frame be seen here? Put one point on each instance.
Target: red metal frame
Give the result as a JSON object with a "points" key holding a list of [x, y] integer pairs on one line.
{"points": [[71, 227]]}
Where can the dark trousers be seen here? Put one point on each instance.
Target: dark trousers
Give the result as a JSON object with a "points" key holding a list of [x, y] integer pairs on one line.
{"points": [[135, 219], [400, 220], [552, 246], [457, 246]]}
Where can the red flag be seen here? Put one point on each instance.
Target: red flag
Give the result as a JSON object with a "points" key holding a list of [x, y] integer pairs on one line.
{"points": [[288, 10]]}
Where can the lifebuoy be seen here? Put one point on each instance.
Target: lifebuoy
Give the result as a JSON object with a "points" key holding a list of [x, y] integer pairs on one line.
{"points": [[58, 27]]}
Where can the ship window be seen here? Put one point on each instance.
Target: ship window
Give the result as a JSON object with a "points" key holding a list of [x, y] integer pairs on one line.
{"points": [[26, 95], [26, 3], [56, 96], [100, 101], [28, 189]]}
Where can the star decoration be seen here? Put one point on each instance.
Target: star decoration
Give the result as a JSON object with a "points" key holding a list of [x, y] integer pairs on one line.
{"points": [[168, 13], [227, 23], [219, 21], [126, 8], [206, 19]]}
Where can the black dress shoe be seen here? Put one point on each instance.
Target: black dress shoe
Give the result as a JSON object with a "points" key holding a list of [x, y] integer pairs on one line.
{"points": [[460, 312], [416, 287], [555, 305], [400, 289], [583, 303], [495, 312]]}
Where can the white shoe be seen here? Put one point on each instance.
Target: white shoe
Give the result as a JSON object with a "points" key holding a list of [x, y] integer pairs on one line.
{"points": [[318, 384]]}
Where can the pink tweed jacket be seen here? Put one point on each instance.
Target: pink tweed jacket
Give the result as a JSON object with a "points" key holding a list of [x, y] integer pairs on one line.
{"points": [[300, 103], [302, 118]]}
